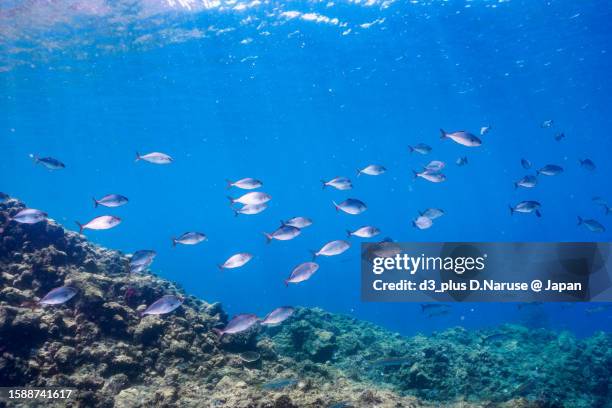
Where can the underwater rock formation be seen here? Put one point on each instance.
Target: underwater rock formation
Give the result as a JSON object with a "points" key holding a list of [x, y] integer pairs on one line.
{"points": [[99, 344]]}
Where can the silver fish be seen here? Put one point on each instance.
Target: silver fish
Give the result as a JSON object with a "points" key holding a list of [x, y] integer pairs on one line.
{"points": [[238, 324], [339, 183], [29, 216], [102, 222], [58, 296], [189, 238], [432, 213], [432, 176], [588, 164], [332, 248], [245, 183], [484, 130], [462, 161], [435, 166], [592, 225], [421, 148], [251, 209], [163, 305], [550, 170], [111, 200], [155, 158], [302, 272], [236, 261], [364, 232], [526, 164], [298, 222], [252, 198], [422, 222], [383, 249], [527, 182], [48, 162], [372, 170], [351, 206], [462, 137], [141, 260], [527, 207], [547, 123], [278, 315], [283, 233]]}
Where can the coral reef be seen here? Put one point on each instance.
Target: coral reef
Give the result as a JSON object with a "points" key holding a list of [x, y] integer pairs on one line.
{"points": [[99, 344]]}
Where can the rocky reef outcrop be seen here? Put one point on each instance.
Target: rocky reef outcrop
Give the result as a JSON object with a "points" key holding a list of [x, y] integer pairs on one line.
{"points": [[99, 344]]}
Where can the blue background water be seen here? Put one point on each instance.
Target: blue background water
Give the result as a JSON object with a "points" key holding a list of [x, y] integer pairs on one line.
{"points": [[316, 104]]}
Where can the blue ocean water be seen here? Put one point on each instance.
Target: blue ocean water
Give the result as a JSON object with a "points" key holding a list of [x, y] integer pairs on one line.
{"points": [[292, 93]]}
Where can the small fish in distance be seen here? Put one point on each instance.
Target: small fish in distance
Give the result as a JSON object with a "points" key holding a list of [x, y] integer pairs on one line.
{"points": [[163, 305], [302, 272], [283, 233], [238, 324], [372, 170], [29, 216], [432, 176], [527, 207], [484, 130], [526, 182], [236, 261], [298, 222], [461, 137], [339, 183], [420, 148], [462, 161], [111, 200], [58, 296], [189, 238], [587, 164], [550, 170], [351, 206], [547, 124], [592, 225], [48, 162], [155, 158], [278, 315], [435, 166], [332, 248], [252, 198], [559, 136], [422, 222], [364, 232], [526, 164], [432, 213], [141, 260], [245, 183], [102, 222], [250, 209]]}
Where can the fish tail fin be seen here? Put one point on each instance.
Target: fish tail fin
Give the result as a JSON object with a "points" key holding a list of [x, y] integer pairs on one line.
{"points": [[538, 213], [80, 227], [421, 213], [286, 283], [537, 172], [314, 254], [173, 242], [236, 213], [95, 202], [579, 220], [465, 159], [231, 200], [415, 174], [282, 223], [220, 267], [268, 237], [336, 206], [443, 134], [324, 183], [349, 233], [607, 210], [410, 149], [511, 210], [229, 183], [515, 185], [137, 156], [218, 332], [414, 224], [358, 172]]}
